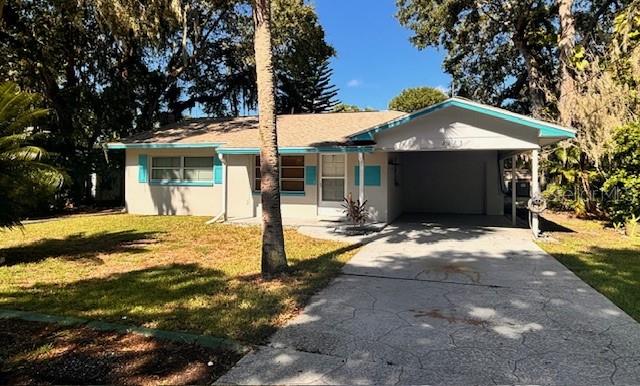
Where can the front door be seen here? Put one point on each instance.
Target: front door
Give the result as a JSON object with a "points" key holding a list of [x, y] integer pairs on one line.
{"points": [[332, 184]]}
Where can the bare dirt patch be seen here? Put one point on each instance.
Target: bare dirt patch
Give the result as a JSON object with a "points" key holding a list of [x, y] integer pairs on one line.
{"points": [[41, 353]]}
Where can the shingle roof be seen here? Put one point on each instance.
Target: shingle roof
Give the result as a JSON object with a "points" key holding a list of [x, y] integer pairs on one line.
{"points": [[293, 130]]}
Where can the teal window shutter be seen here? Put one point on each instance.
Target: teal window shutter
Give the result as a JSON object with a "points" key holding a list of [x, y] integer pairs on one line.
{"points": [[143, 168], [217, 170], [371, 175], [310, 175]]}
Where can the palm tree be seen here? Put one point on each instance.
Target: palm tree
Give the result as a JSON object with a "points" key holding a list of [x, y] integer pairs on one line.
{"points": [[22, 172], [274, 259]]}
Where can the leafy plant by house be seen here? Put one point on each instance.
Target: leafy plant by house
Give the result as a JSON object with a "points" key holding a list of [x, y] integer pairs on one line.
{"points": [[355, 211], [23, 174], [623, 186]]}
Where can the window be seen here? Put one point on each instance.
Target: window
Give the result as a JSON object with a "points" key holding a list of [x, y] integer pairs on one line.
{"points": [[198, 169], [332, 177], [165, 168], [182, 169], [291, 173]]}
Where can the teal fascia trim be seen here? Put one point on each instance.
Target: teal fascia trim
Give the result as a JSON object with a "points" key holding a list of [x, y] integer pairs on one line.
{"points": [[372, 175], [545, 130], [310, 175], [257, 193], [181, 183], [299, 150], [118, 146]]}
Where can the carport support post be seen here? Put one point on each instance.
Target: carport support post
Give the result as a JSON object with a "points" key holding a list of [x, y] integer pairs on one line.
{"points": [[361, 177], [513, 189], [535, 191], [224, 186]]}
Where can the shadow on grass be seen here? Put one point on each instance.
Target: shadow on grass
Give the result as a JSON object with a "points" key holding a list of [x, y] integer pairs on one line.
{"points": [[547, 225], [614, 272], [79, 246], [185, 297]]}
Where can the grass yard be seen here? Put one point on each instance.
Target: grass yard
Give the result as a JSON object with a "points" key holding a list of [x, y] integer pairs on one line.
{"points": [[170, 273], [602, 257]]}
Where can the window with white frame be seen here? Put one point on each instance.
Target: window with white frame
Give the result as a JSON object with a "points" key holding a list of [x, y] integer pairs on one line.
{"points": [[291, 173], [182, 169]]}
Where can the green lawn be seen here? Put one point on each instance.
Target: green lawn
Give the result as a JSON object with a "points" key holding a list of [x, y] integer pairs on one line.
{"points": [[602, 257], [172, 273]]}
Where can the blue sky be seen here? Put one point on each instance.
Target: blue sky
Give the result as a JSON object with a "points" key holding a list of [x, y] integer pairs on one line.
{"points": [[375, 58]]}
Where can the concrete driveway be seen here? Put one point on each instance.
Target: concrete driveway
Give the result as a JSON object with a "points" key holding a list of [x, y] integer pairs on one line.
{"points": [[451, 301]]}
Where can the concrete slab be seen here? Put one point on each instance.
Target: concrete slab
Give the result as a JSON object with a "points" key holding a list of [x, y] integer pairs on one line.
{"points": [[451, 303]]}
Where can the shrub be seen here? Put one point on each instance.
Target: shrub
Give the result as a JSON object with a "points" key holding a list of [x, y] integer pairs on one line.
{"points": [[623, 185]]}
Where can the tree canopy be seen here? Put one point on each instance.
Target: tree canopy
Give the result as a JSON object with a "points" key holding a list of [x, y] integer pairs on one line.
{"points": [[108, 69], [413, 99]]}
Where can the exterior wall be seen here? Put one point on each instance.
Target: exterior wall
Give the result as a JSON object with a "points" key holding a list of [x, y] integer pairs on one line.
{"points": [[457, 129], [239, 181], [464, 182], [376, 196], [147, 198]]}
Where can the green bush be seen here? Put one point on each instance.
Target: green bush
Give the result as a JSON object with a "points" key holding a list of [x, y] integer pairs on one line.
{"points": [[623, 186]]}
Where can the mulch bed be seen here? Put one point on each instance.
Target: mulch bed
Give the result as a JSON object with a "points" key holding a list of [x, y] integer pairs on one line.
{"points": [[41, 353]]}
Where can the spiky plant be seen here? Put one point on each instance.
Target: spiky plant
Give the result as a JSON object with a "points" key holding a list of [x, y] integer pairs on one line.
{"points": [[23, 172]]}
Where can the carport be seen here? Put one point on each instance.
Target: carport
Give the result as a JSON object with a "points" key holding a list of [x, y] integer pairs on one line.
{"points": [[449, 158]]}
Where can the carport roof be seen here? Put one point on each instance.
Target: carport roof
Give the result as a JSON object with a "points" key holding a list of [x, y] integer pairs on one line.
{"points": [[545, 129]]}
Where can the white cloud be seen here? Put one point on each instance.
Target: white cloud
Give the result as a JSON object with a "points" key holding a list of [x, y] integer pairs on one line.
{"points": [[354, 83], [445, 90]]}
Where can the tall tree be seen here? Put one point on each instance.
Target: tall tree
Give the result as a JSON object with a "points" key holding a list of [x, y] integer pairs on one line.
{"points": [[506, 52], [566, 45], [108, 69], [307, 90], [274, 259]]}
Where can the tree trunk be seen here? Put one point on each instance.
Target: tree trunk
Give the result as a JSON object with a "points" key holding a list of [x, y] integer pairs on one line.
{"points": [[274, 259], [534, 80], [565, 48]]}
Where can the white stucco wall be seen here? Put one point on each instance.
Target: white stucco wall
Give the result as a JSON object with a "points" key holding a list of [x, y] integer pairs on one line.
{"points": [[145, 198], [464, 182], [376, 196], [457, 129]]}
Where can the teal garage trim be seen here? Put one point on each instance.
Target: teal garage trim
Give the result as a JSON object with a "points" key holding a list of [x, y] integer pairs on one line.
{"points": [[545, 129]]}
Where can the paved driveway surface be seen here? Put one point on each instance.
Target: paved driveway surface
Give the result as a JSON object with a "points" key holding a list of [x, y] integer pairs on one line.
{"points": [[438, 303]]}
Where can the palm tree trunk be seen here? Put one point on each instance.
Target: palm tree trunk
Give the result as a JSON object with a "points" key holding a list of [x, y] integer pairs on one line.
{"points": [[274, 259], [566, 44]]}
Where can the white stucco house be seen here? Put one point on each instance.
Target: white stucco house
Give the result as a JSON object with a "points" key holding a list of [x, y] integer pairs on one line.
{"points": [[443, 159]]}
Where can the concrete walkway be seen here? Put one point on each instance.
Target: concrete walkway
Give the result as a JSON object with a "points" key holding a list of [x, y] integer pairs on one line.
{"points": [[441, 303]]}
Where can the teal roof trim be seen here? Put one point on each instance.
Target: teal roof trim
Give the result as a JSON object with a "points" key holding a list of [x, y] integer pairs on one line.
{"points": [[299, 150], [118, 146], [545, 129]]}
